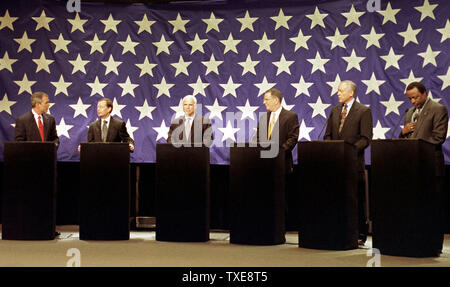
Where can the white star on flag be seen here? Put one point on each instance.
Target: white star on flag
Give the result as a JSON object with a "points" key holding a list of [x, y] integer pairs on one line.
{"points": [[197, 44], [337, 40], [117, 109], [179, 24], [249, 65], [212, 65], [410, 35], [181, 66], [230, 87], [97, 87], [373, 84], [379, 132], [127, 87], [445, 79], [63, 129], [146, 67], [317, 18], [145, 25], [131, 129], [426, 10], [163, 131], [281, 20], [318, 63], [43, 21], [304, 131], [199, 87], [25, 85], [247, 22], [230, 44], [429, 56], [373, 39], [228, 132], [213, 23], [215, 110], [110, 24], [5, 105], [353, 61], [6, 62], [410, 79], [264, 86], [283, 65], [264, 44], [389, 14], [334, 85], [248, 111], [302, 87], [392, 105], [145, 110], [352, 16], [79, 108], [163, 88], [391, 59], [61, 86], [7, 21], [319, 108], [77, 23]]}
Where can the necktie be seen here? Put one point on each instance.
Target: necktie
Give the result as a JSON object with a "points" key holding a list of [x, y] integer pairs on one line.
{"points": [[416, 115], [187, 128], [271, 124], [41, 128], [343, 116], [104, 131]]}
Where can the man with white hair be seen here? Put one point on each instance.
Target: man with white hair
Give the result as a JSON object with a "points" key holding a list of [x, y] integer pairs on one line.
{"points": [[352, 122], [190, 129]]}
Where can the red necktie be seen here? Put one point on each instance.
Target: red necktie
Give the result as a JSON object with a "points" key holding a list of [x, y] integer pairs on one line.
{"points": [[41, 128]]}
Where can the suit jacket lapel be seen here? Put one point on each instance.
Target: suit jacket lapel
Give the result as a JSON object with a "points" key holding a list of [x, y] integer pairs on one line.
{"points": [[422, 115], [35, 127]]}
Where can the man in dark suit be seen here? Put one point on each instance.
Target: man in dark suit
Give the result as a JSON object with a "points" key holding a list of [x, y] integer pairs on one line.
{"points": [[107, 128], [278, 125], [37, 125], [428, 120], [190, 129], [352, 122]]}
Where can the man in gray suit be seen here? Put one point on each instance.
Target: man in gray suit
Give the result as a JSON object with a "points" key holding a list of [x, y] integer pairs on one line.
{"points": [[428, 120], [352, 122], [191, 129]]}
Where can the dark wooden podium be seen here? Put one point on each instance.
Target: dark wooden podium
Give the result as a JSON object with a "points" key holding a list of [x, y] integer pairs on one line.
{"points": [[182, 193], [29, 198], [405, 201], [328, 202], [257, 190], [105, 191]]}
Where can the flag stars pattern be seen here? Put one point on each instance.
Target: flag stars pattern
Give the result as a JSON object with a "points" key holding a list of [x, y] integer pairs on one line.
{"points": [[227, 58]]}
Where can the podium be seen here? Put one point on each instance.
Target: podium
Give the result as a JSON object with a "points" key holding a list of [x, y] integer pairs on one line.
{"points": [[257, 190], [105, 191], [406, 218], [182, 193], [29, 198], [328, 201]]}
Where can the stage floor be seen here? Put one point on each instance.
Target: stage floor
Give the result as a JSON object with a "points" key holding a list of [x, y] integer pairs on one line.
{"points": [[143, 250]]}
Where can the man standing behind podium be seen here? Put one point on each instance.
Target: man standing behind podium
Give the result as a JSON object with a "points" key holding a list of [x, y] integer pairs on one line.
{"points": [[190, 128], [107, 128], [428, 120], [281, 125], [352, 122], [37, 125]]}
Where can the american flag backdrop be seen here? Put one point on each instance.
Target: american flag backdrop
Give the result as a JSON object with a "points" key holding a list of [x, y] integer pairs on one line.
{"points": [[147, 57]]}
